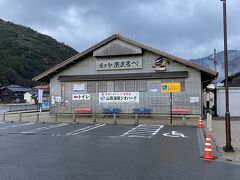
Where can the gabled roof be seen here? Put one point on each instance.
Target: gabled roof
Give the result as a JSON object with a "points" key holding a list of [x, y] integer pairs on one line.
{"points": [[83, 54], [232, 76], [16, 88]]}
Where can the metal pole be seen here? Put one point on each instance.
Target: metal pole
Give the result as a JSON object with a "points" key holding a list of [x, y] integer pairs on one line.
{"points": [[114, 118], [94, 117], [228, 147], [20, 117], [3, 117], [37, 117], [136, 119], [74, 116], [170, 107]]}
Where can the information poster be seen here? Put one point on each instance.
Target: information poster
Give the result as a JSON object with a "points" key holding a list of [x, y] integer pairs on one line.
{"points": [[81, 97], [78, 88], [120, 97]]}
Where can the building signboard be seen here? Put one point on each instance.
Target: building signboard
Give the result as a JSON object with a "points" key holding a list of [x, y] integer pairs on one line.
{"points": [[81, 97], [135, 63], [170, 87], [78, 88], [120, 97]]}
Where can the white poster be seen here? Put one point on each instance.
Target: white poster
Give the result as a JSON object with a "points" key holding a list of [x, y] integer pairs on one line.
{"points": [[194, 99], [78, 88], [58, 99], [40, 95], [81, 97], [53, 100], [121, 97]]}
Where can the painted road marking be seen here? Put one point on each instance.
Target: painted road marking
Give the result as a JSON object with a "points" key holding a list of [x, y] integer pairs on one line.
{"points": [[175, 134], [44, 128], [85, 129], [16, 125], [143, 131]]}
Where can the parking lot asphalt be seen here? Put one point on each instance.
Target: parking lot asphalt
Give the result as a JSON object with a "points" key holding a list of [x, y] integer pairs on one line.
{"points": [[100, 151]]}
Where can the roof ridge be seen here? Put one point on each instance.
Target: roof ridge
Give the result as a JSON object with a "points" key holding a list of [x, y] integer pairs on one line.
{"points": [[128, 40]]}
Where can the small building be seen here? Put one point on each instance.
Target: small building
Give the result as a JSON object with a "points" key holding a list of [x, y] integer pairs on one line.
{"points": [[123, 73], [13, 94], [234, 96], [28, 97], [31, 96]]}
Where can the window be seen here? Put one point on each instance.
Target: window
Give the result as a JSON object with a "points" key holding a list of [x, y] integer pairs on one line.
{"points": [[182, 84], [141, 85], [129, 85], [102, 86], [91, 87], [118, 86]]}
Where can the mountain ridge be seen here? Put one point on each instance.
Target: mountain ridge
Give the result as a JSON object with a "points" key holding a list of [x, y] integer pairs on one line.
{"points": [[233, 63], [25, 53]]}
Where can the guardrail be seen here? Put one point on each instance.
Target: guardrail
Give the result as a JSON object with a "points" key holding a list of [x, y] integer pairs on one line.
{"points": [[57, 117], [18, 107]]}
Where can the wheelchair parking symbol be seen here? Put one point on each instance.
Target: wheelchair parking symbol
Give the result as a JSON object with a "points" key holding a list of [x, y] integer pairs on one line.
{"points": [[175, 134]]}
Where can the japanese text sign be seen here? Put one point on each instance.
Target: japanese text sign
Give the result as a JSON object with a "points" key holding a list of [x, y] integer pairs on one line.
{"points": [[121, 97], [81, 97], [115, 64], [170, 87]]}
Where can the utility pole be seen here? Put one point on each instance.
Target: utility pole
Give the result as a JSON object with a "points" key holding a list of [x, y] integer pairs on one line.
{"points": [[228, 147], [215, 59]]}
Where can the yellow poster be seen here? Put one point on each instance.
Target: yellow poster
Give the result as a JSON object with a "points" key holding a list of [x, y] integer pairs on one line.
{"points": [[170, 87]]}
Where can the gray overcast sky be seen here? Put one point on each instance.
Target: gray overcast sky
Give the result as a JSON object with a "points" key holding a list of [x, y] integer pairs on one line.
{"points": [[186, 28]]}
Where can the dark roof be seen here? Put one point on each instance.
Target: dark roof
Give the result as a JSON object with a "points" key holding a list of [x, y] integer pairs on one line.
{"points": [[47, 74], [133, 76], [16, 88], [232, 76]]}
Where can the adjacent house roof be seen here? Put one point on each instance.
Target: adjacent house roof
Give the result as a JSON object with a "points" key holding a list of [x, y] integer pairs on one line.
{"points": [[232, 76], [207, 75], [16, 88]]}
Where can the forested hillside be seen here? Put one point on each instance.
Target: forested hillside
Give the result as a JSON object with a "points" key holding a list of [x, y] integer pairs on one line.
{"points": [[25, 53]]}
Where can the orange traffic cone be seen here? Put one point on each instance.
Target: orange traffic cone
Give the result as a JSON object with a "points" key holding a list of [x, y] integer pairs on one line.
{"points": [[208, 154], [200, 122]]}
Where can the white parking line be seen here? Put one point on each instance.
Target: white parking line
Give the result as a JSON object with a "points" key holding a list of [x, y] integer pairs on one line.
{"points": [[16, 125], [85, 129], [44, 128], [143, 131]]}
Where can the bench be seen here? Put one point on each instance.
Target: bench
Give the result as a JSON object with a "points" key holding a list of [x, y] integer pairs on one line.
{"points": [[79, 110], [111, 110], [143, 111], [181, 111], [84, 111]]}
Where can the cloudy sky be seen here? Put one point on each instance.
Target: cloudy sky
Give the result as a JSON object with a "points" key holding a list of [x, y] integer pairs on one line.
{"points": [[186, 28]]}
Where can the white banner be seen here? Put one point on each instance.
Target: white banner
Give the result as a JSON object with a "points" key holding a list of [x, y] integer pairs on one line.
{"points": [[121, 97], [40, 95], [81, 97]]}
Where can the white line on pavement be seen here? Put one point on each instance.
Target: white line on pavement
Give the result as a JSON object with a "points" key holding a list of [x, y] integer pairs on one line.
{"points": [[160, 127], [16, 125], [131, 130], [44, 128], [143, 130], [88, 128]]}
